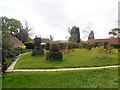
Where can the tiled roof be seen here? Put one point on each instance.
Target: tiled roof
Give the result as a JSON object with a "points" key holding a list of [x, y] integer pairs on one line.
{"points": [[110, 41]]}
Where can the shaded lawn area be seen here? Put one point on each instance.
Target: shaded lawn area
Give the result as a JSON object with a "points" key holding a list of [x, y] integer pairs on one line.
{"points": [[79, 58], [103, 78], [0, 82]]}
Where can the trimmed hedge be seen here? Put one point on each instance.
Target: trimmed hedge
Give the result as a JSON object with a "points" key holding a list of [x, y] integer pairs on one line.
{"points": [[89, 46], [54, 47], [47, 46], [37, 51], [29, 45], [54, 53], [53, 56], [61, 45], [115, 45]]}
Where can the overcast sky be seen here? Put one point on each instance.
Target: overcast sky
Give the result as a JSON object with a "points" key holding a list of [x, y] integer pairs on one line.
{"points": [[54, 17]]}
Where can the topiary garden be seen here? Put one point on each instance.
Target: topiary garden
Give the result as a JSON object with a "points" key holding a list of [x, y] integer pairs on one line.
{"points": [[54, 53], [38, 50]]}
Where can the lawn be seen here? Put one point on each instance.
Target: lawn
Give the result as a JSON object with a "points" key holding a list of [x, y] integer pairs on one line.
{"points": [[79, 58], [103, 78]]}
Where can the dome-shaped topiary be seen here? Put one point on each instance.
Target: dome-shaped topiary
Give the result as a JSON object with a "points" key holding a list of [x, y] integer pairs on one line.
{"points": [[54, 47]]}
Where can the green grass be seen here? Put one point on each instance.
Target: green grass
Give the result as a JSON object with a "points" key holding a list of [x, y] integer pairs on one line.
{"points": [[103, 78], [8, 62], [0, 82], [79, 58]]}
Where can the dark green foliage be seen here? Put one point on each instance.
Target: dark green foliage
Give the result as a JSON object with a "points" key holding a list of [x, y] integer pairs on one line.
{"points": [[105, 44], [75, 35], [91, 35], [54, 47], [47, 46], [23, 36], [54, 53], [15, 28], [51, 56], [116, 46], [29, 45], [96, 44], [82, 45], [89, 46], [70, 45], [115, 32], [43, 46], [37, 42], [37, 51], [75, 45], [61, 45]]}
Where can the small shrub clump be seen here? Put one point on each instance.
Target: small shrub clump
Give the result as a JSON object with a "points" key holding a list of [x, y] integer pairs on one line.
{"points": [[54, 53], [102, 53], [37, 51], [54, 47], [89, 46]]}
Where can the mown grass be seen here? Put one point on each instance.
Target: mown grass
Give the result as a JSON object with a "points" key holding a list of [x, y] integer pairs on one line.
{"points": [[103, 78], [79, 58], [0, 82]]}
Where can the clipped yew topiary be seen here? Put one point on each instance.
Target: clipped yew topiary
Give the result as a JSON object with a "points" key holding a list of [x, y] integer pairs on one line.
{"points": [[54, 47], [54, 53], [38, 50], [47, 46]]}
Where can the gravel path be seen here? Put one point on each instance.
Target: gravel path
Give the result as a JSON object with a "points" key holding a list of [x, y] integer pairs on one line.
{"points": [[63, 69]]}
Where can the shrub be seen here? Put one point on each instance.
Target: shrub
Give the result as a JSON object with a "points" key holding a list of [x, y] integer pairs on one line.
{"points": [[108, 48], [89, 46], [23, 48], [54, 56], [75, 45], [116, 46], [37, 41], [101, 53], [29, 45], [54, 47], [54, 53], [96, 44], [43, 46], [37, 51], [70, 45], [61, 45], [47, 46], [82, 45]]}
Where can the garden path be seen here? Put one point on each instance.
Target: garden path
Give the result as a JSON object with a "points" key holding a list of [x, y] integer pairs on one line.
{"points": [[11, 68]]}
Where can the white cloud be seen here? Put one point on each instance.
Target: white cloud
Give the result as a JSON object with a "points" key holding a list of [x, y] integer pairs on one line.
{"points": [[55, 16]]}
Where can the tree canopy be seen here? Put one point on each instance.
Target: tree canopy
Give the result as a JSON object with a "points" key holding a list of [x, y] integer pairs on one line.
{"points": [[115, 32], [75, 34], [15, 28]]}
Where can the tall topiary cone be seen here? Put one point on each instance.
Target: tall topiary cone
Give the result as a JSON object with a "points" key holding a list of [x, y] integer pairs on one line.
{"points": [[91, 35], [54, 53]]}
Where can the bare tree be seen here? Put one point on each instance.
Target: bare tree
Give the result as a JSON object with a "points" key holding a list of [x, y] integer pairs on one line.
{"points": [[51, 37], [87, 30]]}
